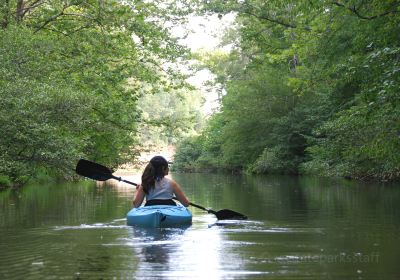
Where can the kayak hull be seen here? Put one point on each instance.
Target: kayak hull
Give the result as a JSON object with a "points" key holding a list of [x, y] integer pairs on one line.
{"points": [[159, 216]]}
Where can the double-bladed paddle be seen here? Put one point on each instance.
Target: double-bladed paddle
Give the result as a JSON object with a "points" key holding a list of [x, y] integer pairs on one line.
{"points": [[99, 172]]}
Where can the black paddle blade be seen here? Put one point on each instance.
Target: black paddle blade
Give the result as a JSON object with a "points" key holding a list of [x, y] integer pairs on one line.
{"points": [[93, 170], [226, 214]]}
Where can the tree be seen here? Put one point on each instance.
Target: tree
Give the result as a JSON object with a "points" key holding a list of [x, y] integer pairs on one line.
{"points": [[71, 75], [316, 90]]}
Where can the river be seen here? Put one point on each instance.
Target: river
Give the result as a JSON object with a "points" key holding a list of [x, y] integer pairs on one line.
{"points": [[298, 228]]}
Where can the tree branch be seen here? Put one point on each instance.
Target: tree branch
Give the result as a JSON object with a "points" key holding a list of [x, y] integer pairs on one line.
{"points": [[49, 20], [74, 16], [249, 11], [106, 119], [19, 13], [33, 5], [354, 10], [57, 31]]}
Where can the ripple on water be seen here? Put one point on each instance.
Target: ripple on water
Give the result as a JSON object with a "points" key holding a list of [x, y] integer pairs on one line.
{"points": [[115, 224], [92, 226], [264, 229], [18, 259]]}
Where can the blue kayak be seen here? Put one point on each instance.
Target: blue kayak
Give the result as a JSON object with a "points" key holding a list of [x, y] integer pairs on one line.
{"points": [[159, 216]]}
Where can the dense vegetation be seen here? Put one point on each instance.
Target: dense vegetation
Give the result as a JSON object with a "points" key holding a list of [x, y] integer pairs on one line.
{"points": [[71, 75], [311, 87]]}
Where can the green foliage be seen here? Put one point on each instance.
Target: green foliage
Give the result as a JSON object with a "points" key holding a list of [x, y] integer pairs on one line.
{"points": [[169, 116], [5, 181], [203, 152], [311, 86], [71, 74], [211, 156], [361, 139], [361, 142], [43, 120], [189, 152]]}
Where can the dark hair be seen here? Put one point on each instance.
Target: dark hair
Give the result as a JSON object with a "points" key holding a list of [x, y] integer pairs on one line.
{"points": [[154, 171]]}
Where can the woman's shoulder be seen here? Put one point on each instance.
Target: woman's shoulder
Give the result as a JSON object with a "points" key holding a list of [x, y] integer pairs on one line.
{"points": [[169, 181]]}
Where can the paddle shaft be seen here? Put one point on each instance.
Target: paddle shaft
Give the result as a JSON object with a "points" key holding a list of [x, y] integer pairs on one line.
{"points": [[199, 206], [202, 208], [125, 181]]}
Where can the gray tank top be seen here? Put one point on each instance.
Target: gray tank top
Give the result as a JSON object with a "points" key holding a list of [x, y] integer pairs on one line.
{"points": [[162, 190]]}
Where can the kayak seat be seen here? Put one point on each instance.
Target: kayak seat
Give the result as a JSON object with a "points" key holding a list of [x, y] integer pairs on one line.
{"points": [[160, 202]]}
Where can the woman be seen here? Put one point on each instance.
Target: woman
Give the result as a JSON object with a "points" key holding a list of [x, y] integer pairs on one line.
{"points": [[158, 189]]}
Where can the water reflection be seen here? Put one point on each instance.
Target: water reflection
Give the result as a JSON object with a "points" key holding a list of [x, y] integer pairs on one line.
{"points": [[202, 251], [177, 252], [298, 228], [154, 245], [200, 254]]}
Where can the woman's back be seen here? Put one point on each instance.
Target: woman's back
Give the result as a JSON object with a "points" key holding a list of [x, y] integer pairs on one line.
{"points": [[157, 189], [162, 190]]}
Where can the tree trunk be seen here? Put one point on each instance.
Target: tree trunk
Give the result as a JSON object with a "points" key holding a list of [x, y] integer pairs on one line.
{"points": [[20, 10]]}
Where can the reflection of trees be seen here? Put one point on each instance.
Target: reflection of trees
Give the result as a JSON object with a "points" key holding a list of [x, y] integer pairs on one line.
{"points": [[214, 190], [153, 251], [154, 247], [314, 213], [277, 197], [254, 196], [75, 204], [318, 214], [290, 198]]}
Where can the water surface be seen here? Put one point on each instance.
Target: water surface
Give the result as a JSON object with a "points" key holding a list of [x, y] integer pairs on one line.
{"points": [[299, 228]]}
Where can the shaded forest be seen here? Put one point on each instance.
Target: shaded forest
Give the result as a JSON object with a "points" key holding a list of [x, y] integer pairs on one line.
{"points": [[311, 87], [76, 79]]}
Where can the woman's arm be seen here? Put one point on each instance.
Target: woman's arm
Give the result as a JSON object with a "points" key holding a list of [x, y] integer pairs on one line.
{"points": [[179, 194], [139, 197]]}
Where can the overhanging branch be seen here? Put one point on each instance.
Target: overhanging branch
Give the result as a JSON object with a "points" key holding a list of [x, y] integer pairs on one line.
{"points": [[249, 10], [354, 10]]}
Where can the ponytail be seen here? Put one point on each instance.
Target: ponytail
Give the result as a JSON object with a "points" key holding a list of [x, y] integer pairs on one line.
{"points": [[148, 178]]}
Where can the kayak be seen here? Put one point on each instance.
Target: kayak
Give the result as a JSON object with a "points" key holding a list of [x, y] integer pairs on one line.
{"points": [[159, 216]]}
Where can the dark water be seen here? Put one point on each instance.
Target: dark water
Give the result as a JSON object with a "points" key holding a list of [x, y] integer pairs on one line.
{"points": [[299, 228]]}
